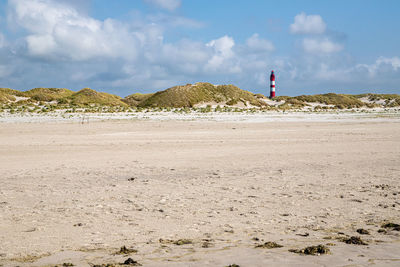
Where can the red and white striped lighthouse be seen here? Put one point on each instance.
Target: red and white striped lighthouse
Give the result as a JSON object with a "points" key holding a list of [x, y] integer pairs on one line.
{"points": [[272, 85]]}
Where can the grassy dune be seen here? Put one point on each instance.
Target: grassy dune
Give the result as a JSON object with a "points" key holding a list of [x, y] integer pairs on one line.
{"points": [[135, 99], [391, 100], [186, 97], [340, 101], [89, 96], [189, 95], [7, 94], [48, 94]]}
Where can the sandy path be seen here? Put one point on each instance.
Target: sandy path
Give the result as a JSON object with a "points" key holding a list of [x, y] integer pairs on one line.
{"points": [[65, 193]]}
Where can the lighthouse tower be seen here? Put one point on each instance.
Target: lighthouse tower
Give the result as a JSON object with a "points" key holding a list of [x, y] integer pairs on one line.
{"points": [[272, 85]]}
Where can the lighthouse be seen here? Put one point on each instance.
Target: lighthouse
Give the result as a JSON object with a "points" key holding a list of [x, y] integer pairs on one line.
{"points": [[272, 85]]}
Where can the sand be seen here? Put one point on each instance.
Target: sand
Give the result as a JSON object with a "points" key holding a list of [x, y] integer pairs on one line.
{"points": [[378, 114], [73, 193]]}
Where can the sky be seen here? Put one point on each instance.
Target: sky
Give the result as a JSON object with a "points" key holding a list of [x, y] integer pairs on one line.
{"points": [[128, 46]]}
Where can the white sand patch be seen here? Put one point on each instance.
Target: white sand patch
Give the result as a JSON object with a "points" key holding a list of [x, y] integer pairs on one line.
{"points": [[314, 104], [19, 98], [244, 116], [272, 102], [366, 100]]}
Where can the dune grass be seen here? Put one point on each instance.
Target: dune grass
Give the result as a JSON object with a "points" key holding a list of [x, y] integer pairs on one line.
{"points": [[135, 99], [88, 96], [190, 95], [182, 99], [7, 94], [390, 100], [47, 94]]}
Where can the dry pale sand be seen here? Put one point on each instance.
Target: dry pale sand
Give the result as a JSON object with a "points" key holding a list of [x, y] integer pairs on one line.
{"points": [[73, 193]]}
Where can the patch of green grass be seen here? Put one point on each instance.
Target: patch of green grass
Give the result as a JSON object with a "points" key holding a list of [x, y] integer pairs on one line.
{"points": [[7, 94], [281, 98], [89, 96], [391, 100], [190, 95], [373, 97], [346, 101], [5, 97], [47, 94], [135, 99]]}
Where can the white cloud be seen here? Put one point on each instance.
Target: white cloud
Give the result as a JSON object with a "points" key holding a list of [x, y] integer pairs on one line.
{"points": [[58, 31], [130, 53], [381, 64], [223, 52], [308, 24], [170, 5], [257, 44], [41, 16], [394, 62], [223, 46], [321, 46]]}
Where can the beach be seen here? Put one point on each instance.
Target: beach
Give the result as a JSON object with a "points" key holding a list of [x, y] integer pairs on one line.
{"points": [[199, 192]]}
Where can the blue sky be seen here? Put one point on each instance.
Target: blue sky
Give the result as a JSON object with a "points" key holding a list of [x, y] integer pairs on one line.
{"points": [[129, 46]]}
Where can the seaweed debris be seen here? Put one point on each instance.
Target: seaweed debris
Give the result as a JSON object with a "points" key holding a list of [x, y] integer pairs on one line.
{"points": [[362, 231], [269, 245], [394, 226], [128, 261], [178, 242], [312, 250], [125, 250], [354, 240], [131, 262]]}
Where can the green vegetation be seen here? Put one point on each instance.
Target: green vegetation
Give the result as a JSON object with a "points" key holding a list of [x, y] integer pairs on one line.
{"points": [[338, 100], [4, 97], [390, 100], [189, 95], [89, 96], [7, 94], [199, 97], [135, 99], [47, 94]]}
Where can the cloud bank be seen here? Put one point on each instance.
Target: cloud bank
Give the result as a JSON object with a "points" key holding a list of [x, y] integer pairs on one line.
{"points": [[59, 46]]}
